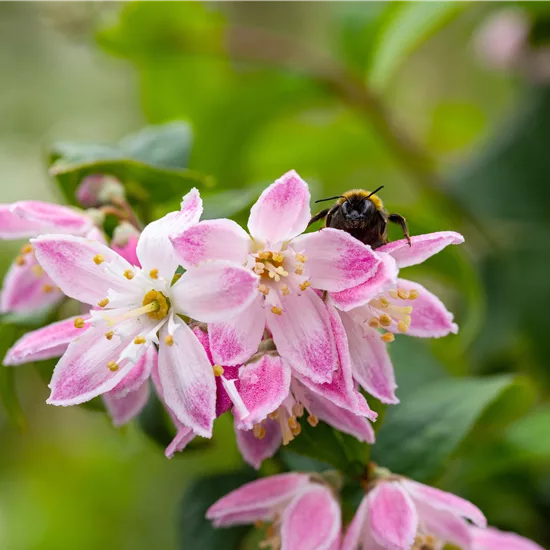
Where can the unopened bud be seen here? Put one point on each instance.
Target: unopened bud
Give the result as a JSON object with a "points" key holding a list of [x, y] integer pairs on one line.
{"points": [[97, 189], [125, 239]]}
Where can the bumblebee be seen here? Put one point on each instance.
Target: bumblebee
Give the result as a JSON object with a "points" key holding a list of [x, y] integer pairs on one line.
{"points": [[362, 215]]}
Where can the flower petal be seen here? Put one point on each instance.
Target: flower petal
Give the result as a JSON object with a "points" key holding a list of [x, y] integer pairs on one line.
{"points": [[336, 261], [154, 249], [27, 288], [212, 240], [444, 525], [138, 375], [370, 362], [422, 247], [282, 211], [392, 516], [445, 501], [303, 336], [45, 343], [311, 521], [493, 539], [429, 317], [180, 441], [255, 450], [69, 261], [264, 385], [82, 373], [126, 408], [128, 250], [187, 379], [262, 495], [354, 534], [385, 277], [214, 291]]}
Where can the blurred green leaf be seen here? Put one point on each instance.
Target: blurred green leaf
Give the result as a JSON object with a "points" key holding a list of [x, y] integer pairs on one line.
{"points": [[530, 434], [195, 531], [408, 25], [8, 392], [420, 434], [153, 421]]}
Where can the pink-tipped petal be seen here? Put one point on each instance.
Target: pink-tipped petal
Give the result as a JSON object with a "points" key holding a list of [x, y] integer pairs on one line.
{"points": [[14, 227], [154, 249], [138, 375], [84, 269], [44, 343], [124, 409], [311, 521], [392, 516], [264, 385], [303, 336], [429, 317], [493, 539], [444, 525], [82, 373], [384, 278], [234, 341], [212, 240], [128, 250], [445, 501], [187, 379], [214, 291], [180, 441], [262, 496], [422, 247], [282, 211], [336, 261], [356, 529], [254, 450], [370, 361]]}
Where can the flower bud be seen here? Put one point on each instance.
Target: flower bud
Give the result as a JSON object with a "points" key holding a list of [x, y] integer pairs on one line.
{"points": [[125, 239], [97, 189]]}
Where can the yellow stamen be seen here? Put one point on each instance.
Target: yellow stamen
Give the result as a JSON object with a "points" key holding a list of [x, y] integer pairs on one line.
{"points": [[129, 274], [273, 415], [402, 293], [48, 289], [393, 294], [109, 335], [154, 273], [99, 259], [312, 420], [277, 257], [297, 430], [26, 249], [385, 320], [285, 290], [112, 366], [20, 260], [276, 310], [298, 410], [301, 258], [258, 431], [37, 270], [384, 302], [160, 303], [374, 322], [292, 422], [387, 337], [79, 322], [264, 255], [139, 340], [169, 340], [258, 524], [304, 285], [218, 370], [413, 294], [263, 289], [299, 269], [402, 326], [103, 303]]}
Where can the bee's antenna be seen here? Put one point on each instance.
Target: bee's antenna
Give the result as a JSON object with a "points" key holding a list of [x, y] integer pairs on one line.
{"points": [[376, 191], [330, 198]]}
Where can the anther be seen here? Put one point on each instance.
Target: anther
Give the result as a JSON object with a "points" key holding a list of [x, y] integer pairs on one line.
{"points": [[301, 258], [37, 270], [402, 293], [139, 340], [299, 269], [374, 322], [20, 260], [393, 294], [384, 302], [385, 320], [273, 415], [304, 285], [413, 294], [79, 322], [99, 259], [387, 337], [277, 257], [103, 303], [298, 410], [109, 335], [285, 290], [154, 273], [112, 366], [48, 289], [259, 431], [218, 370], [264, 255], [402, 326], [169, 340], [26, 249], [312, 420], [258, 524], [297, 430], [292, 422], [129, 274], [263, 289], [276, 310]]}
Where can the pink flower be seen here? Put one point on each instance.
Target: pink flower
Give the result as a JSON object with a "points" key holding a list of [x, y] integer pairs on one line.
{"points": [[26, 287], [401, 514], [303, 512], [99, 189], [493, 539], [395, 305], [136, 305], [293, 312]]}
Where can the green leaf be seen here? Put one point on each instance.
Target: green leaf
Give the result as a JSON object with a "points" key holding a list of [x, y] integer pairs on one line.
{"points": [[195, 531], [420, 434], [406, 28], [153, 421], [529, 435], [8, 393]]}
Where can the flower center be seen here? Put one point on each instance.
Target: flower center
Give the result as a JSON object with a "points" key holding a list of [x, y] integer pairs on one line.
{"points": [[269, 265], [158, 303], [425, 542]]}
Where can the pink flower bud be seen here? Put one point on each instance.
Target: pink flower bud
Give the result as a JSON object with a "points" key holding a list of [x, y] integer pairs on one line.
{"points": [[98, 189]]}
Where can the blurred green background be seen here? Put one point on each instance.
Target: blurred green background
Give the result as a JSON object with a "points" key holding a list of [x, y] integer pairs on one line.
{"points": [[407, 95]]}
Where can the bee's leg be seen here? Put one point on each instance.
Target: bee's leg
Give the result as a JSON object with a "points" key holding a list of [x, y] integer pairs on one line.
{"points": [[402, 222], [319, 216]]}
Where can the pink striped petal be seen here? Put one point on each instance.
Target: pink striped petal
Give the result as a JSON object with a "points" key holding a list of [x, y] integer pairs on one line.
{"points": [[264, 385], [45, 343], [212, 240], [429, 318], [124, 409], [493, 539], [187, 379], [370, 362], [385, 277], [444, 525], [282, 211], [445, 501], [214, 291], [138, 375], [69, 261], [392, 516], [82, 372], [422, 247], [154, 249], [254, 450], [256, 500], [303, 336], [180, 441], [336, 260], [27, 288], [311, 521], [356, 529], [234, 341]]}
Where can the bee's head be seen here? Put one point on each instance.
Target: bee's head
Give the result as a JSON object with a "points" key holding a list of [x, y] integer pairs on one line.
{"points": [[356, 208]]}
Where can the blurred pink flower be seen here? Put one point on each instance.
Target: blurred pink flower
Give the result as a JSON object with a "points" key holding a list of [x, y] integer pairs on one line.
{"points": [[493, 539], [401, 514], [303, 512], [99, 189]]}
